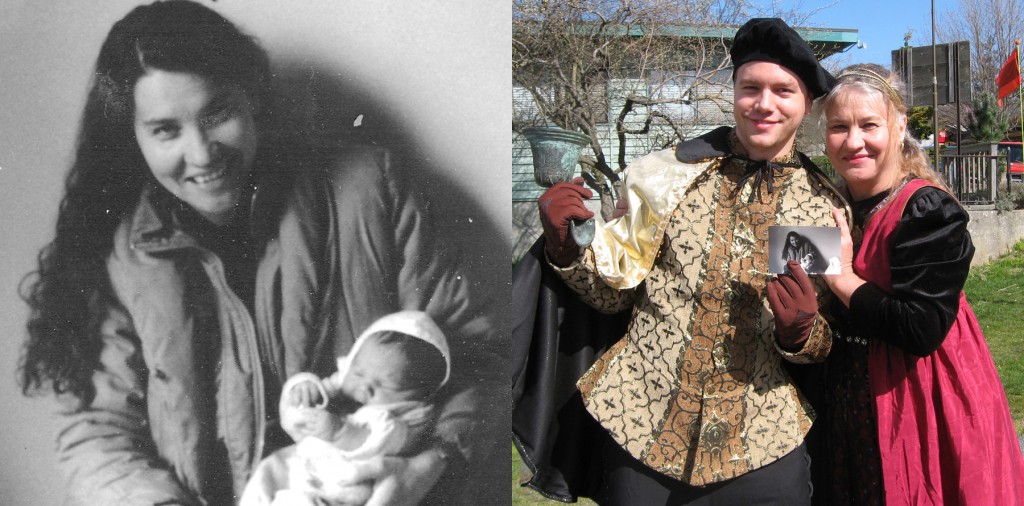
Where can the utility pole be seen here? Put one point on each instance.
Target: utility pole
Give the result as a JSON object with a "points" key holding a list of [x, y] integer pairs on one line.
{"points": [[935, 96]]}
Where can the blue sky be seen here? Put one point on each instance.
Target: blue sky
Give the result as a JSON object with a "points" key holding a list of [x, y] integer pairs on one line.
{"points": [[881, 24]]}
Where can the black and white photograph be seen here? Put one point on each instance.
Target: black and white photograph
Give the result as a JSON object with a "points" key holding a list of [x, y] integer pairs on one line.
{"points": [[815, 248], [255, 252]]}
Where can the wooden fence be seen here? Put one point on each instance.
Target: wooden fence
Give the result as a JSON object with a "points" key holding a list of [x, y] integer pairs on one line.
{"points": [[973, 178]]}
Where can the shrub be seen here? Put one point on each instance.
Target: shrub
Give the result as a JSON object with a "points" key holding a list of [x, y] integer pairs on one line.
{"points": [[1010, 198]]}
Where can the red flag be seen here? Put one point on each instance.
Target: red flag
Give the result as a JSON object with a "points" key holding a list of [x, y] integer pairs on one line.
{"points": [[1009, 77]]}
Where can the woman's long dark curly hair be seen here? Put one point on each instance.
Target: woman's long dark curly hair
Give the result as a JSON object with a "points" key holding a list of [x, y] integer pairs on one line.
{"points": [[66, 293]]}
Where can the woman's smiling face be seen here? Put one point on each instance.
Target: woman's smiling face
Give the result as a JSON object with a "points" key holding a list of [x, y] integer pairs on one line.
{"points": [[199, 140], [859, 143]]}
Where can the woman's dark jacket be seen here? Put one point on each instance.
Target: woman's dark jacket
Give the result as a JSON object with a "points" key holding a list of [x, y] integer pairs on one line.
{"points": [[186, 370]]}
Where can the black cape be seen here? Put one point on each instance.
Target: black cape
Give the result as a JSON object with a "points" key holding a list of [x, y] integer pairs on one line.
{"points": [[555, 339]]}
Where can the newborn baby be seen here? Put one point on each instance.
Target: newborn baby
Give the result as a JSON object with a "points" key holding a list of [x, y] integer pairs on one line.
{"points": [[378, 403]]}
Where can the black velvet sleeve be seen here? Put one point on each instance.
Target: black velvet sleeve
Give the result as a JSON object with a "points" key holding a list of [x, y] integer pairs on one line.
{"points": [[930, 259]]}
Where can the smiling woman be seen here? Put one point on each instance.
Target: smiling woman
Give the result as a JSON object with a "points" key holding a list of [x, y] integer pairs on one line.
{"points": [[198, 141], [204, 254], [859, 140], [916, 410]]}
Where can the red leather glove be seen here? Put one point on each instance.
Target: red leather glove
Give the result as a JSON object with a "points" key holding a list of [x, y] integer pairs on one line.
{"points": [[794, 303], [559, 205]]}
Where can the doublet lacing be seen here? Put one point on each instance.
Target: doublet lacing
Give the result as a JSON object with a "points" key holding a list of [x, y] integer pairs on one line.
{"points": [[762, 170]]}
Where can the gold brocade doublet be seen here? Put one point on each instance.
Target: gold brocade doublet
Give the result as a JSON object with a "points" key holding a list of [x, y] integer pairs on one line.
{"points": [[696, 389]]}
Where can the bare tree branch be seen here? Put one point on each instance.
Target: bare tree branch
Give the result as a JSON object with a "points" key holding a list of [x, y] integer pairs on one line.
{"points": [[634, 75], [991, 27]]}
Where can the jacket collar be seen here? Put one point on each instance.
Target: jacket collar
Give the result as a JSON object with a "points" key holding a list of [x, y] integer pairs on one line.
{"points": [[723, 143], [713, 144], [161, 222], [156, 225]]}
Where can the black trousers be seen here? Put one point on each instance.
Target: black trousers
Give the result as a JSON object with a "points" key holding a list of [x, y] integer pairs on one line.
{"points": [[628, 482]]}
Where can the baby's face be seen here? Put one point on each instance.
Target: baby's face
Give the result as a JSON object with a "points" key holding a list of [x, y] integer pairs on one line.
{"points": [[377, 375]]}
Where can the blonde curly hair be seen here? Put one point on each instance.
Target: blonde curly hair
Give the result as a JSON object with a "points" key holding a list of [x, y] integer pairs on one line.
{"points": [[877, 82]]}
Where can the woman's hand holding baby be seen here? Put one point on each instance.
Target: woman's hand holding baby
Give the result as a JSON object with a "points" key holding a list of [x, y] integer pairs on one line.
{"points": [[401, 481], [330, 478]]}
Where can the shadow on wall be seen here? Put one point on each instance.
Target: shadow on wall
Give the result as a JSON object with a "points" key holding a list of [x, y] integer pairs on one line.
{"points": [[342, 114]]}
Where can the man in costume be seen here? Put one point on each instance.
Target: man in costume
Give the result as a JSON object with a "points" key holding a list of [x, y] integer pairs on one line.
{"points": [[695, 397]]}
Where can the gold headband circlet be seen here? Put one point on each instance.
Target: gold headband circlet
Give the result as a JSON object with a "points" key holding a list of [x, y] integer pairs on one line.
{"points": [[886, 87]]}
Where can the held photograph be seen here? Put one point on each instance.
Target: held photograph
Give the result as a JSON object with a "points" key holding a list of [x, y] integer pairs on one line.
{"points": [[816, 248]]}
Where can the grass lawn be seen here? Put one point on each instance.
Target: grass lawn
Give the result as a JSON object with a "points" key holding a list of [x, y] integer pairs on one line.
{"points": [[995, 291], [524, 496]]}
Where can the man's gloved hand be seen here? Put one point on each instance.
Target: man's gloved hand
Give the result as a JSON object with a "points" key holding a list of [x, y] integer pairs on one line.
{"points": [[794, 303], [559, 205]]}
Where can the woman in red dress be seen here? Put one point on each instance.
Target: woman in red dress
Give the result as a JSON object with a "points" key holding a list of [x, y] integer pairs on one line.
{"points": [[916, 411]]}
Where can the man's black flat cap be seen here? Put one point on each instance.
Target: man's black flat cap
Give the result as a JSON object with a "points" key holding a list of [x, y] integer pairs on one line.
{"points": [[772, 40]]}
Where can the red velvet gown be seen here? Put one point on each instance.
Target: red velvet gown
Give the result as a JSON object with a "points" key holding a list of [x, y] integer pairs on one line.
{"points": [[941, 431]]}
